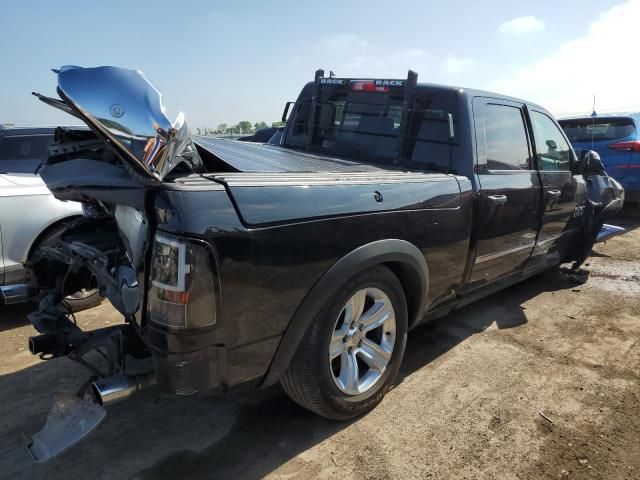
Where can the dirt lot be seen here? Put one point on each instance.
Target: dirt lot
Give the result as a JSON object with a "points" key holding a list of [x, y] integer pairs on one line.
{"points": [[538, 381]]}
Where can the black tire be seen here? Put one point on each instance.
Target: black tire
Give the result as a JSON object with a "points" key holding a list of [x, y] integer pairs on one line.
{"points": [[83, 300], [309, 380]]}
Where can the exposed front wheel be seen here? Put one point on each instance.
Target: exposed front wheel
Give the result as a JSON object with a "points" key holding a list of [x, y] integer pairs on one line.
{"points": [[351, 353], [83, 299], [86, 294]]}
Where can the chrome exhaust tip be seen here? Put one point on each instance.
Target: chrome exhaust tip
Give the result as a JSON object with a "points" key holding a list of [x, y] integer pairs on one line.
{"points": [[119, 387]]}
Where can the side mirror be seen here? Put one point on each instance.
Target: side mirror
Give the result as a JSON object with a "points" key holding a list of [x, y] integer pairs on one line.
{"points": [[590, 163]]}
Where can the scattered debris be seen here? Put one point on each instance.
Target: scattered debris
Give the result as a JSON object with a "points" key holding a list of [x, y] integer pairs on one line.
{"points": [[546, 418], [334, 461], [578, 276]]}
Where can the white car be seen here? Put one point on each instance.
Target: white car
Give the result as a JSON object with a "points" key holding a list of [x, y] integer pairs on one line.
{"points": [[29, 214]]}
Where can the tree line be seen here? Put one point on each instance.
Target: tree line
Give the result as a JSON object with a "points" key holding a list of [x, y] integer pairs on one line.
{"points": [[243, 127]]}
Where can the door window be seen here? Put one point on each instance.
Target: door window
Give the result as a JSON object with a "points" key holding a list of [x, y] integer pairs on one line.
{"points": [[553, 151], [506, 138]]}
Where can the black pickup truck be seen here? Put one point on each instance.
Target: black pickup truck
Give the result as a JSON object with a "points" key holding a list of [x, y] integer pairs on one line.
{"points": [[386, 203]]}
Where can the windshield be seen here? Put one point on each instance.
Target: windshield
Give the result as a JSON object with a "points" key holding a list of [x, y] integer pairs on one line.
{"points": [[597, 129]]}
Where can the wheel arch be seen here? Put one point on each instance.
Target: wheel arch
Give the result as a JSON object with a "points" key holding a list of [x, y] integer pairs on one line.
{"points": [[48, 230], [403, 258]]}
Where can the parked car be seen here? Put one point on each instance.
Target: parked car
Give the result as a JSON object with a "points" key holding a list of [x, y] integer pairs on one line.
{"points": [[386, 203], [30, 216], [616, 139]]}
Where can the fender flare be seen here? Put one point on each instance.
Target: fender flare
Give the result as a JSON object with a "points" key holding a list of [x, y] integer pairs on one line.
{"points": [[400, 253]]}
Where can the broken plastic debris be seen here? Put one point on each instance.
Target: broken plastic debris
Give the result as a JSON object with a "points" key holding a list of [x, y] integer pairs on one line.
{"points": [[69, 421]]}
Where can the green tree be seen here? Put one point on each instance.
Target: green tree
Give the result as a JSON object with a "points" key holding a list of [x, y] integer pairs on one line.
{"points": [[245, 126], [222, 129], [278, 124], [260, 125]]}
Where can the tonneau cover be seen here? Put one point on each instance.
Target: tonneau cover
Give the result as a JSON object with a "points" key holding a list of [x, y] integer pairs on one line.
{"points": [[258, 157]]}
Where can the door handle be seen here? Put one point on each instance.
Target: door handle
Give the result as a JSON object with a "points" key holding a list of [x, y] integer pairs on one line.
{"points": [[554, 193], [497, 199]]}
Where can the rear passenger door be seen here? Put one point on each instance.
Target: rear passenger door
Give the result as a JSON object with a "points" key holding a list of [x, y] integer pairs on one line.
{"points": [[510, 198]]}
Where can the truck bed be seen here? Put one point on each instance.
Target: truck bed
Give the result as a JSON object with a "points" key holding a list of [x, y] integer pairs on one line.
{"points": [[257, 157]]}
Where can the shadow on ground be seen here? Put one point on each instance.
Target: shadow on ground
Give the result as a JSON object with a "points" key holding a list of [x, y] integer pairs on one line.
{"points": [[14, 316], [245, 435]]}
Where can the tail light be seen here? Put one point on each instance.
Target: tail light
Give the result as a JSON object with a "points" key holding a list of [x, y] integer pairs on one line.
{"points": [[184, 283], [633, 146]]}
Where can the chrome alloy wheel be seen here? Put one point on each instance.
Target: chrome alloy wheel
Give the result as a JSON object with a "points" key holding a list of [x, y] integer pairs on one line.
{"points": [[362, 341]]}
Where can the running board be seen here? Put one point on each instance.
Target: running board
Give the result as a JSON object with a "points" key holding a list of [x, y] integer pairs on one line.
{"points": [[609, 231]]}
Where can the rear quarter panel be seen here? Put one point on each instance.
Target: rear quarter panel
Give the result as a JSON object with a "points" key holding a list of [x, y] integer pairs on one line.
{"points": [[296, 234]]}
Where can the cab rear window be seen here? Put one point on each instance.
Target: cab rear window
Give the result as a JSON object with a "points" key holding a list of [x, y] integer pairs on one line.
{"points": [[363, 121], [596, 129]]}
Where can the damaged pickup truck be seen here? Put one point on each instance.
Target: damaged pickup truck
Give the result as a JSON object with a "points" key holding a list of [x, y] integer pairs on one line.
{"points": [[385, 204]]}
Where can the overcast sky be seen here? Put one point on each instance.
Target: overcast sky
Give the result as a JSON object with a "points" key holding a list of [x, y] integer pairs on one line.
{"points": [[230, 61]]}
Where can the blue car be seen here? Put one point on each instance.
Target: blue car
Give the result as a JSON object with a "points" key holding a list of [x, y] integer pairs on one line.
{"points": [[616, 139]]}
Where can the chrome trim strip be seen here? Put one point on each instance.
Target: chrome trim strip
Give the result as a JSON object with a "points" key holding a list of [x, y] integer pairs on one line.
{"points": [[550, 239], [501, 253]]}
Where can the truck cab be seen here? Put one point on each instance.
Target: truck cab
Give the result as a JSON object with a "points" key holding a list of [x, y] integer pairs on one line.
{"points": [[526, 178]]}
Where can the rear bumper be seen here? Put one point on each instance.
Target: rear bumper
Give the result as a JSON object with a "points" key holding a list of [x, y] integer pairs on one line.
{"points": [[182, 371], [631, 185], [632, 194]]}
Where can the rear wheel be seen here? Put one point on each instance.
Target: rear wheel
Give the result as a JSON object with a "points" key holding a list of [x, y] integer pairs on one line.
{"points": [[349, 357]]}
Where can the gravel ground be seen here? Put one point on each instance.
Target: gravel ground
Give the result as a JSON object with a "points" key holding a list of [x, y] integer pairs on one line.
{"points": [[538, 381]]}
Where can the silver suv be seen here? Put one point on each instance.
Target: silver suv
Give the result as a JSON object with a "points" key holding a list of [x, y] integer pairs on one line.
{"points": [[30, 217]]}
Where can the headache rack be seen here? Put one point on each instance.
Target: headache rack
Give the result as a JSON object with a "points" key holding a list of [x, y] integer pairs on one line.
{"points": [[387, 85]]}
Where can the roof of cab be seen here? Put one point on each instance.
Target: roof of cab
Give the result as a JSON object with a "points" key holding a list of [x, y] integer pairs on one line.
{"points": [[474, 92], [466, 92]]}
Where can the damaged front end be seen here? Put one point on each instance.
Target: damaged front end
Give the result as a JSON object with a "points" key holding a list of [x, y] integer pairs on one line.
{"points": [[605, 199], [91, 248], [113, 168]]}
